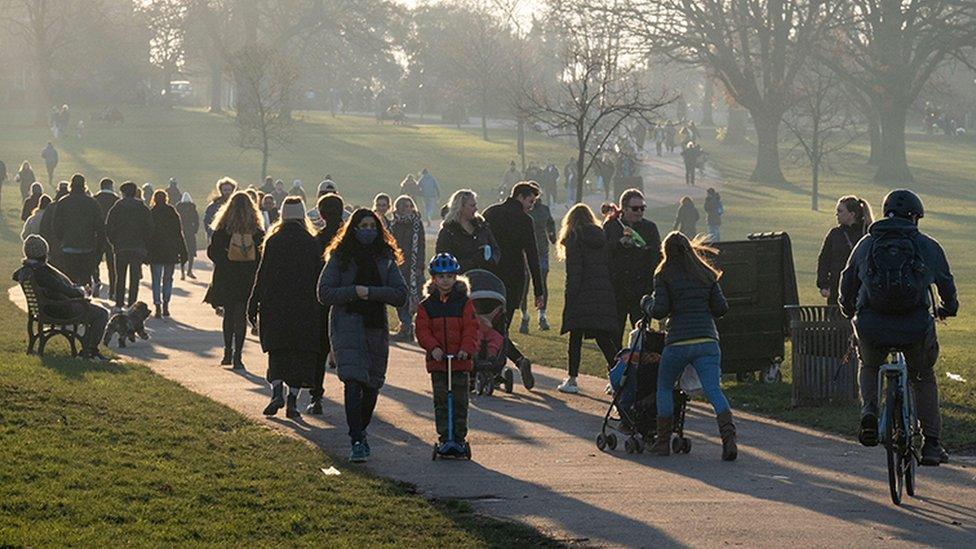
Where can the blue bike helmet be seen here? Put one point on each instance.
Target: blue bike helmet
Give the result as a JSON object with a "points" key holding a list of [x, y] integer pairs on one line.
{"points": [[444, 263]]}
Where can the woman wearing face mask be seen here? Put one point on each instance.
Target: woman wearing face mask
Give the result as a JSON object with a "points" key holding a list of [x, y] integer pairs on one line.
{"points": [[853, 219], [407, 228], [360, 278]]}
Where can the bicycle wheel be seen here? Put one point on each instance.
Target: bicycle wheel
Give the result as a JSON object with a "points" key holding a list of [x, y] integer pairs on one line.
{"points": [[892, 422]]}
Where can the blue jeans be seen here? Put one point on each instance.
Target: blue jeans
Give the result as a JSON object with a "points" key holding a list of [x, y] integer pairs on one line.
{"points": [[706, 358], [162, 282]]}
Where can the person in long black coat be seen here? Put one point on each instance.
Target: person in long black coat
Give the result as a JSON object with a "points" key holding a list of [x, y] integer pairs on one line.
{"points": [[190, 223], [686, 220], [465, 234], [284, 302], [512, 227], [30, 203], [590, 310], [853, 216], [237, 221], [166, 248]]}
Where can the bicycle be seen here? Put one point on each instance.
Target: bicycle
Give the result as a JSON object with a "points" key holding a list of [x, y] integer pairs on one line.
{"points": [[899, 429]]}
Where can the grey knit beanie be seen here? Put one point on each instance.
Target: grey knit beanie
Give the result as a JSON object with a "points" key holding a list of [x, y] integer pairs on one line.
{"points": [[292, 210], [35, 247]]}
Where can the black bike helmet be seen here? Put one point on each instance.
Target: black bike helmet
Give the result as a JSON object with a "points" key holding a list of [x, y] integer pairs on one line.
{"points": [[903, 203]]}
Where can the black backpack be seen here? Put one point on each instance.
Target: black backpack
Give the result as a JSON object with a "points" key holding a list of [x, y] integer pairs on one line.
{"points": [[895, 274]]}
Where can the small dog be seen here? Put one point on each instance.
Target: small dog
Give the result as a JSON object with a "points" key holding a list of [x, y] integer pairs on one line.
{"points": [[128, 324]]}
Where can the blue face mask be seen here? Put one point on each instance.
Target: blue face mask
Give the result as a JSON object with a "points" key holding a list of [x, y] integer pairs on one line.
{"points": [[366, 236]]}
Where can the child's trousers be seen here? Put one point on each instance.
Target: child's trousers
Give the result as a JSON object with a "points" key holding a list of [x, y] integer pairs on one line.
{"points": [[439, 383]]}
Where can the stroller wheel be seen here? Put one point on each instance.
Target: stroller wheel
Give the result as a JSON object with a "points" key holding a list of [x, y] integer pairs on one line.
{"points": [[479, 384], [509, 380], [630, 445], [612, 441], [601, 442], [639, 444], [686, 446], [676, 445], [433, 455]]}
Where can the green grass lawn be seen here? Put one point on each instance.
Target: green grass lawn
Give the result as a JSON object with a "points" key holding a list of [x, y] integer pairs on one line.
{"points": [[95, 454]]}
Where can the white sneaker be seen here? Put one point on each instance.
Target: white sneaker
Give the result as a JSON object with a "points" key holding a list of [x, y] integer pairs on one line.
{"points": [[569, 386]]}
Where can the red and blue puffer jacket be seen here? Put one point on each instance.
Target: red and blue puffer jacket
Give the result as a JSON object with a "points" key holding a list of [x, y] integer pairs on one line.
{"points": [[449, 323]]}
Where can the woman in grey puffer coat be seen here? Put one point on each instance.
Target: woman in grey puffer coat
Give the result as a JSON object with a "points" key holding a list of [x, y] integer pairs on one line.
{"points": [[360, 278], [687, 293]]}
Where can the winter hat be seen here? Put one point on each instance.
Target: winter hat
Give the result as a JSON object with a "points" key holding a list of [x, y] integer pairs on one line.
{"points": [[35, 247], [296, 184], [292, 210], [327, 186], [186, 198]]}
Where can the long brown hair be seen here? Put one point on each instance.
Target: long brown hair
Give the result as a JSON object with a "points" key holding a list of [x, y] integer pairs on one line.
{"points": [[238, 215], [683, 256], [861, 210], [577, 217], [159, 197], [344, 241]]}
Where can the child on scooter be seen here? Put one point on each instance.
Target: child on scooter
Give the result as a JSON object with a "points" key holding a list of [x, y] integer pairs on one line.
{"points": [[446, 325]]}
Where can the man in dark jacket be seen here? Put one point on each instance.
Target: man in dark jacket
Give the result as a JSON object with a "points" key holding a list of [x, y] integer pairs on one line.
{"points": [[225, 188], [512, 227], [50, 156], [129, 227], [545, 233], [882, 324], [47, 226], [68, 299], [79, 228], [635, 251], [106, 198], [173, 192], [550, 180], [330, 207]]}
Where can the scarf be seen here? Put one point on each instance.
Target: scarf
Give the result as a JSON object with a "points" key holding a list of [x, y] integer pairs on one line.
{"points": [[367, 274]]}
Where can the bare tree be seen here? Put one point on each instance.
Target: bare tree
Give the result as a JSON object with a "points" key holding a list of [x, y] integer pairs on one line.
{"points": [[166, 20], [591, 103], [821, 121], [756, 48], [889, 49], [265, 82]]}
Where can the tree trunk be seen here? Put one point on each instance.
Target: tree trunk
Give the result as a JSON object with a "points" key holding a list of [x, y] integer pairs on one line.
{"points": [[580, 176], [767, 168], [707, 111], [892, 161], [216, 88], [874, 131], [736, 127], [520, 140], [264, 162], [815, 191]]}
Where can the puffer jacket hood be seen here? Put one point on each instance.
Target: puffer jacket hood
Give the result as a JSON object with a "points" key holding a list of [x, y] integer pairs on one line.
{"points": [[460, 287]]}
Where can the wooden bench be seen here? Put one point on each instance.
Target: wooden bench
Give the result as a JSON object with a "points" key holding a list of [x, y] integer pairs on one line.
{"points": [[41, 326]]}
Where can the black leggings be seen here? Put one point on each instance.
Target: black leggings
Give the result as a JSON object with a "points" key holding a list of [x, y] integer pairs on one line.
{"points": [[360, 403], [235, 327], [603, 339]]}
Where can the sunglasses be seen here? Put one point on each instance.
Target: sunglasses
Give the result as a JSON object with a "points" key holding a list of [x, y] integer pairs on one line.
{"points": [[638, 208]]}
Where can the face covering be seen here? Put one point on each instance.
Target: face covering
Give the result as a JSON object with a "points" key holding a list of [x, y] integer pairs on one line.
{"points": [[366, 236]]}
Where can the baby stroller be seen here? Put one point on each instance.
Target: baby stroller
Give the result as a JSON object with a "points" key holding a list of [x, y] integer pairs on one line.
{"points": [[634, 382], [488, 294]]}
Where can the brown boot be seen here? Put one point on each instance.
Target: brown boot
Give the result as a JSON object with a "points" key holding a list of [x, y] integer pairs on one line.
{"points": [[726, 428], [662, 443]]}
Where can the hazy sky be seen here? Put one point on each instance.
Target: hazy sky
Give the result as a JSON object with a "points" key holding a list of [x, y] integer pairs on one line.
{"points": [[524, 8]]}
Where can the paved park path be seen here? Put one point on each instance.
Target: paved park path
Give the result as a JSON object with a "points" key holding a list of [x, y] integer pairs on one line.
{"points": [[535, 460]]}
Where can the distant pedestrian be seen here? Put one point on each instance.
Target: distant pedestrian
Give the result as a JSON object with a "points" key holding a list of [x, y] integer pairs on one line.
{"points": [[686, 221], [190, 225], [283, 304], [50, 156], [430, 191], [25, 176], [381, 205], [268, 187], [410, 187], [224, 188], [688, 294], [173, 192], [589, 311], [550, 182], [360, 278], [79, 227], [106, 198], [511, 177], [279, 191], [713, 215], [854, 217], [166, 249], [147, 193], [33, 223], [269, 211], [330, 208], [30, 203], [297, 190], [691, 154], [545, 234], [235, 249], [407, 228], [128, 227]]}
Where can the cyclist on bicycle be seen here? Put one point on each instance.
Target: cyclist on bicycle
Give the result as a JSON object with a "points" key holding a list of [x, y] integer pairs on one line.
{"points": [[885, 288]]}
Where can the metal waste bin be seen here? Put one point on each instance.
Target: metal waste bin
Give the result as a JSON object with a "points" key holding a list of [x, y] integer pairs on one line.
{"points": [[824, 363]]}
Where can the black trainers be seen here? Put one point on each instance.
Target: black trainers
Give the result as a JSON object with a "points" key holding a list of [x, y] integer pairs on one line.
{"points": [[314, 406], [933, 453], [868, 435], [525, 369]]}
